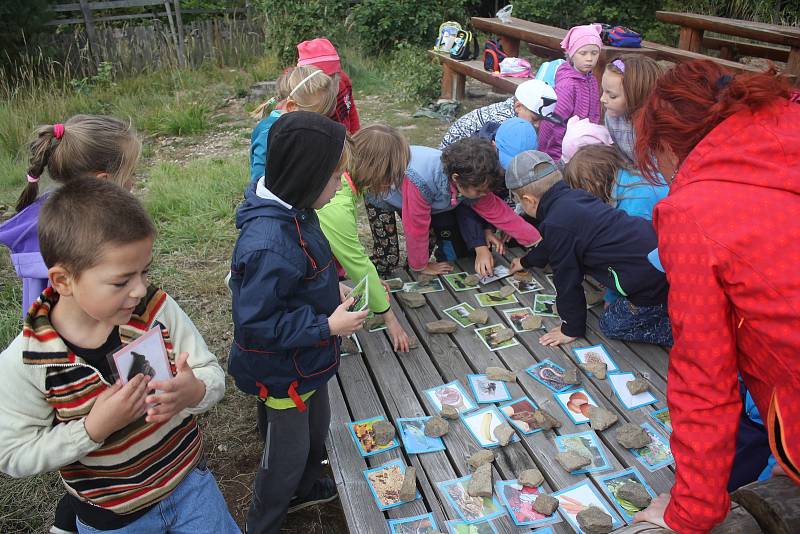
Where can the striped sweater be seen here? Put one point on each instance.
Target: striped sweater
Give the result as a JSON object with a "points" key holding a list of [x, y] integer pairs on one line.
{"points": [[46, 391]]}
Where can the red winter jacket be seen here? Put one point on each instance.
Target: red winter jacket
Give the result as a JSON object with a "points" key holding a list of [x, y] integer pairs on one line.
{"points": [[729, 240], [345, 111]]}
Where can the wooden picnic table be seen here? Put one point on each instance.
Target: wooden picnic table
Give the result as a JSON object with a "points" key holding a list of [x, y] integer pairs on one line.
{"points": [[381, 382], [693, 26]]}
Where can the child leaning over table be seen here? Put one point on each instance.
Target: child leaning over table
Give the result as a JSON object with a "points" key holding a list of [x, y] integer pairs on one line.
{"points": [[60, 407], [288, 314]]}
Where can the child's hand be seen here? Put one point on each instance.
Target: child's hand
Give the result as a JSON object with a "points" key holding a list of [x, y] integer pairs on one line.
{"points": [[516, 266], [655, 512], [555, 337], [434, 269], [344, 290], [484, 261], [495, 242], [117, 407], [396, 333], [343, 322], [181, 391]]}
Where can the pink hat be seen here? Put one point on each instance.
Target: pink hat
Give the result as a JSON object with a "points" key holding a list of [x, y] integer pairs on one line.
{"points": [[582, 132], [320, 53], [579, 36]]}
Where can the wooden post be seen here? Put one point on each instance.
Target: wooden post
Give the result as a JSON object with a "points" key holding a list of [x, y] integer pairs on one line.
{"points": [[690, 39], [172, 29], [793, 65], [91, 35], [510, 46], [774, 503], [179, 24]]}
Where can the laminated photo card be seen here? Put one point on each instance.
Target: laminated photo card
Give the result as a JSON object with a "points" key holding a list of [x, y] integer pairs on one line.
{"points": [[515, 316], [458, 281], [147, 355], [395, 282], [385, 482], [577, 498], [469, 509], [456, 526], [360, 296], [419, 524], [460, 314], [487, 391], [597, 354], [610, 484], [519, 413], [354, 339], [657, 453], [487, 335], [412, 432], [415, 287], [550, 374], [482, 424], [518, 500], [529, 286], [500, 271], [576, 403], [363, 435], [587, 445], [452, 393], [663, 419], [544, 305], [494, 298], [619, 383]]}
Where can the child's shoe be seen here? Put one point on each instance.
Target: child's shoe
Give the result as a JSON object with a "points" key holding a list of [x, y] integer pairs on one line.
{"points": [[323, 490]]}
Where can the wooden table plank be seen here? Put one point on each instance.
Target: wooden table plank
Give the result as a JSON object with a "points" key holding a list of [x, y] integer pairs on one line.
{"points": [[783, 35]]}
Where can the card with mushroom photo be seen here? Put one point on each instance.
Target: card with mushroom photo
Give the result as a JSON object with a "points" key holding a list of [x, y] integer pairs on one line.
{"points": [[385, 482], [576, 403], [364, 437], [577, 498], [610, 485], [482, 425]]}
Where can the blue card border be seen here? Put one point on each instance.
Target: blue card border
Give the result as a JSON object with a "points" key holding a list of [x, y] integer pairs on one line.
{"points": [[489, 408], [429, 394], [564, 406], [365, 454], [442, 487], [600, 347], [630, 471], [399, 421], [375, 498], [553, 364], [659, 436], [392, 523], [475, 393], [616, 521], [633, 376], [511, 421], [548, 520], [596, 440]]}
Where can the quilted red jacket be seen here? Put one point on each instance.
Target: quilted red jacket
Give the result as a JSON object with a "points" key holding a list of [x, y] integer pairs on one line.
{"points": [[729, 239]]}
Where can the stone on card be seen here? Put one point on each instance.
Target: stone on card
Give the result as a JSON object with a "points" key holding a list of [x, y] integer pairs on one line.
{"points": [[634, 493], [600, 418], [534, 322], [408, 491], [571, 460], [502, 334], [500, 373], [506, 291], [633, 436], [479, 316], [504, 433], [480, 483], [638, 385], [384, 432], [531, 477], [424, 280], [436, 427], [544, 420], [545, 504], [571, 376], [394, 283], [472, 280], [598, 369], [449, 412], [442, 326], [523, 276]]}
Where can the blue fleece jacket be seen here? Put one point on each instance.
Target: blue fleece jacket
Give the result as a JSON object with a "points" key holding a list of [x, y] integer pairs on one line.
{"points": [[258, 145]]}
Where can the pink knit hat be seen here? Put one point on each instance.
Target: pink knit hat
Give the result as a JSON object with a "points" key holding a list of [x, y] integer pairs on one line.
{"points": [[579, 36], [320, 53], [582, 132]]}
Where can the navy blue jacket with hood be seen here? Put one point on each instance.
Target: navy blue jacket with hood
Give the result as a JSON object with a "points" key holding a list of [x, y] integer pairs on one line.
{"points": [[283, 278], [582, 236]]}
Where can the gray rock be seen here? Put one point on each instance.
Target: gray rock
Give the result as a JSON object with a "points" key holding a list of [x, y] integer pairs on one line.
{"points": [[531, 477], [571, 376], [479, 316], [480, 483], [482, 457], [598, 369], [545, 504], [572, 461], [544, 420], [412, 300], [593, 520], [639, 385], [523, 276], [506, 291], [413, 343], [348, 346], [449, 412], [384, 432], [374, 322], [472, 280], [634, 493], [394, 283], [633, 436], [600, 418], [442, 326], [261, 91], [436, 427], [534, 322], [501, 373], [502, 334], [424, 280], [504, 433], [408, 491]]}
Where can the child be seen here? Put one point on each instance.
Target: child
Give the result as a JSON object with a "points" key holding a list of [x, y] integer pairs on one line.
{"points": [[288, 314], [627, 83], [85, 145], [321, 53], [576, 86], [582, 132], [533, 101], [299, 88], [60, 407], [436, 182], [382, 155], [583, 236], [603, 171]]}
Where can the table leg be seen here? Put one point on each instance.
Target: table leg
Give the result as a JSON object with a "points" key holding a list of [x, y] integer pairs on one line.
{"points": [[453, 84], [510, 46], [690, 39], [793, 64]]}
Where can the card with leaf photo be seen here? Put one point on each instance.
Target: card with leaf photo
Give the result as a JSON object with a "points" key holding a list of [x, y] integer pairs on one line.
{"points": [[360, 295], [363, 435], [610, 485], [459, 282], [586, 445], [494, 298], [460, 314]]}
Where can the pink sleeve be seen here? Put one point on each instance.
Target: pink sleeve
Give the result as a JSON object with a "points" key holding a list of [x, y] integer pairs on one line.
{"points": [[501, 216], [416, 223]]}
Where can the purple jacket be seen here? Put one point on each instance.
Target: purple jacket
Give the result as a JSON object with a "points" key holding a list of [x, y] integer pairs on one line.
{"points": [[20, 235], [578, 95]]}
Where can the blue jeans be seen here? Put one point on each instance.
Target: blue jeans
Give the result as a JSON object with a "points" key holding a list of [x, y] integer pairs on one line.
{"points": [[195, 507], [644, 324]]}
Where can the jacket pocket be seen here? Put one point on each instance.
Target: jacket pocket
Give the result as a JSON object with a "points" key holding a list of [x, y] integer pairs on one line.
{"points": [[314, 362]]}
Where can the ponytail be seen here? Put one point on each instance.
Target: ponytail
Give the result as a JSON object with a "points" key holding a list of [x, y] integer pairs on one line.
{"points": [[41, 148]]}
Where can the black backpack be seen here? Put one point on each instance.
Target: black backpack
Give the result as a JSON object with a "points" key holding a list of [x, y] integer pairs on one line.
{"points": [[465, 46], [493, 55]]}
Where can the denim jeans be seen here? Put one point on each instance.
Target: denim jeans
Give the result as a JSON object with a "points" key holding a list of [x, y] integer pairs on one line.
{"points": [[195, 507], [644, 324]]}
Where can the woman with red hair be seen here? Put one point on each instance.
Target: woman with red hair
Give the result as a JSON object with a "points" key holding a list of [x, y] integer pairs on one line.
{"points": [[729, 241]]}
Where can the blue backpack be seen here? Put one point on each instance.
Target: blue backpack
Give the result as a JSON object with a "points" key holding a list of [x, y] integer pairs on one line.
{"points": [[547, 72], [621, 37]]}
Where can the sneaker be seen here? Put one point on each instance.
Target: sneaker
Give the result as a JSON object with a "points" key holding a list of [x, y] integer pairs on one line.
{"points": [[323, 490]]}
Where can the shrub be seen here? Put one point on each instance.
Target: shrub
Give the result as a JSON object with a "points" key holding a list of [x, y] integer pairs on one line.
{"points": [[417, 76], [20, 20]]}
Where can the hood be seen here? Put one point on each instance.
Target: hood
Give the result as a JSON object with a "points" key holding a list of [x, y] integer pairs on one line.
{"points": [[749, 148], [20, 232], [255, 206]]}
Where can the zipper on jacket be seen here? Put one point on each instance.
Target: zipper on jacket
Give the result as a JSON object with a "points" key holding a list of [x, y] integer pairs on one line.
{"points": [[617, 284]]}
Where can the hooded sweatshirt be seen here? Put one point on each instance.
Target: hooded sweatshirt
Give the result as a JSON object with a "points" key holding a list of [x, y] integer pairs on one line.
{"points": [[728, 237], [578, 96]]}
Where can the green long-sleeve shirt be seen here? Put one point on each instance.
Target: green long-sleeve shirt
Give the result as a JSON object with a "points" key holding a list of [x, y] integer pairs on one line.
{"points": [[340, 226]]}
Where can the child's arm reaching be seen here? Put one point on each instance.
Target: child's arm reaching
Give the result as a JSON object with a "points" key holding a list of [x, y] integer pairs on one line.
{"points": [[501, 216], [417, 224]]}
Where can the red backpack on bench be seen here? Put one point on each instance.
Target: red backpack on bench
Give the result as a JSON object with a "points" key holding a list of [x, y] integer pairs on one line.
{"points": [[493, 55]]}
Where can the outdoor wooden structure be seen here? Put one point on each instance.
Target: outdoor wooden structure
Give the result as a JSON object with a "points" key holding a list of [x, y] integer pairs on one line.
{"points": [[382, 382]]}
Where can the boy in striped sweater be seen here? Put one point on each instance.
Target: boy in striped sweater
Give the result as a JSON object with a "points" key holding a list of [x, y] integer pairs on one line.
{"points": [[130, 456]]}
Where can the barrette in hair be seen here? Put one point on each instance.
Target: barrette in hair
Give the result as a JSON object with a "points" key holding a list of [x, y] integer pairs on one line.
{"points": [[31, 179], [723, 81], [619, 64], [58, 130]]}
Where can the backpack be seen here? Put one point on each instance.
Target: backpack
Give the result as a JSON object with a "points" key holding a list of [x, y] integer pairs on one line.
{"points": [[446, 36], [493, 55], [515, 67], [620, 36], [465, 46], [547, 72]]}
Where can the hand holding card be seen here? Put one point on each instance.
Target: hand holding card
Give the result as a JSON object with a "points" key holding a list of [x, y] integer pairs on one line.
{"points": [[174, 395], [116, 407]]}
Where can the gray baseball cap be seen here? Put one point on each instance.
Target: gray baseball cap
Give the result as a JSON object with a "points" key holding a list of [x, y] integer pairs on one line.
{"points": [[520, 173]]}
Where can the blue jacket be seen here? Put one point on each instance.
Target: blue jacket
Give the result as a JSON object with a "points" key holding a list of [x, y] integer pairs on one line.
{"points": [[636, 196], [581, 235], [258, 145], [284, 285]]}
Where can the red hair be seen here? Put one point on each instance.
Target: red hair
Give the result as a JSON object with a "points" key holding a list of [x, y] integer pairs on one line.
{"points": [[690, 100]]}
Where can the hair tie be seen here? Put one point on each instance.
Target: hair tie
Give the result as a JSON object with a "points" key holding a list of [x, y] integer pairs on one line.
{"points": [[32, 179], [723, 81], [303, 82], [619, 64], [58, 131]]}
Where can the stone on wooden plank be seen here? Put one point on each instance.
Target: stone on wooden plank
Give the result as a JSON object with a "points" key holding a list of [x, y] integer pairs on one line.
{"points": [[480, 458], [545, 420], [348, 346], [394, 283], [637, 386], [412, 300], [534, 322], [500, 373], [506, 291], [600, 418], [504, 433], [449, 412], [408, 491], [472, 280], [442, 326]]}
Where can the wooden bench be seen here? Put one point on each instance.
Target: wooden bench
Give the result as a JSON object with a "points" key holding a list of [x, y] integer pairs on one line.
{"points": [[454, 76]]}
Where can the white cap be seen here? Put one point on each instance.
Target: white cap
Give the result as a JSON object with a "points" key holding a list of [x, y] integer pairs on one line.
{"points": [[538, 97]]}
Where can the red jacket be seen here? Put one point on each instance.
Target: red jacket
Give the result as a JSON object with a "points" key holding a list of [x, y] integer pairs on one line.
{"points": [[729, 240], [346, 112]]}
